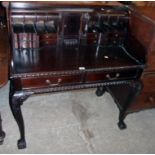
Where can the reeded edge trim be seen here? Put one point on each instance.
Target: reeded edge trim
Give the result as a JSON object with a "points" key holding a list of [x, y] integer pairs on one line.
{"points": [[74, 72]]}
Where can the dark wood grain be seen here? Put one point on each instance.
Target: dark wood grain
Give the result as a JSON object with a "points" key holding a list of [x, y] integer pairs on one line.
{"points": [[61, 58]]}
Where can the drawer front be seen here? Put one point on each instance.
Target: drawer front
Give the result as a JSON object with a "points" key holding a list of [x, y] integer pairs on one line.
{"points": [[48, 42], [50, 81], [48, 36], [47, 39], [100, 77]]}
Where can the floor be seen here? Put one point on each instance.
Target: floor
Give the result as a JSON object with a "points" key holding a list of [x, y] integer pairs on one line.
{"points": [[76, 122]]}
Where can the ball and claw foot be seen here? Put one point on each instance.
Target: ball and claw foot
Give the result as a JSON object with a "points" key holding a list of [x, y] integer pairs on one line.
{"points": [[21, 144], [2, 136], [99, 92], [122, 125]]}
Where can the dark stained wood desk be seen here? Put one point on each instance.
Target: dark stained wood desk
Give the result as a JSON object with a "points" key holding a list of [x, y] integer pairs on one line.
{"points": [[62, 46]]}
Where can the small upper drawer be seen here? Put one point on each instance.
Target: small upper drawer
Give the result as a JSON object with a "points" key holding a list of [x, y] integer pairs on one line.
{"points": [[50, 81], [92, 77], [48, 36], [48, 39]]}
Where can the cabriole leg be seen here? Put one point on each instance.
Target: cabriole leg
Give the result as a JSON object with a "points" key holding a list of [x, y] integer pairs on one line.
{"points": [[16, 111], [15, 101]]}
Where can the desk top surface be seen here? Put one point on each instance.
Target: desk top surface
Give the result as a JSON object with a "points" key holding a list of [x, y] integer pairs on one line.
{"points": [[52, 58]]}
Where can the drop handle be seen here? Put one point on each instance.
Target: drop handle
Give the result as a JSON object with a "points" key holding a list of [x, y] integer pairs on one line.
{"points": [[108, 76], [53, 84]]}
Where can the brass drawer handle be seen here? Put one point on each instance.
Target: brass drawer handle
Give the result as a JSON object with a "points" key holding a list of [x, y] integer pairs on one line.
{"points": [[55, 84], [112, 78], [59, 80]]}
